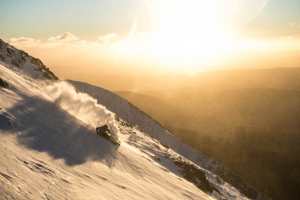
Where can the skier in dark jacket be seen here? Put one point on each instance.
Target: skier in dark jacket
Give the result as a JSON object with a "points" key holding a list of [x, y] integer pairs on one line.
{"points": [[103, 131]]}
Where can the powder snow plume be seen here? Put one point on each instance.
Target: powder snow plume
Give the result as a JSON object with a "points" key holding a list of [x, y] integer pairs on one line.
{"points": [[82, 106]]}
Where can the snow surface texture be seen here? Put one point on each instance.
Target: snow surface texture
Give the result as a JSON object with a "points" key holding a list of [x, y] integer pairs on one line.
{"points": [[49, 149]]}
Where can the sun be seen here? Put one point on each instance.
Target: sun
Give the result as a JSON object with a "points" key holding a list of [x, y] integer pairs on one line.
{"points": [[179, 17], [191, 31]]}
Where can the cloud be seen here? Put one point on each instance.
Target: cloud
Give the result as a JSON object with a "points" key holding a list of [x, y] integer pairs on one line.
{"points": [[111, 37], [65, 37], [68, 49], [24, 41], [294, 25]]}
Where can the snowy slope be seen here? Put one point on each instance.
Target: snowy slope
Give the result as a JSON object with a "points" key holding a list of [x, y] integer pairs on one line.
{"points": [[49, 149], [145, 123], [20, 61]]}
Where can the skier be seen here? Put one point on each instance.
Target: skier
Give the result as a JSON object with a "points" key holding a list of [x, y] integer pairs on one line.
{"points": [[103, 131]]}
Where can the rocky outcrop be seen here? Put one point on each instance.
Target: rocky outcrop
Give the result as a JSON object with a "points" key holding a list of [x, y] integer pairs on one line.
{"points": [[195, 175], [22, 61], [3, 83]]}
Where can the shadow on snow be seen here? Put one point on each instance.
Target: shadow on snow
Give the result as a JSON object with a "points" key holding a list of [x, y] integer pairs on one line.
{"points": [[43, 126]]}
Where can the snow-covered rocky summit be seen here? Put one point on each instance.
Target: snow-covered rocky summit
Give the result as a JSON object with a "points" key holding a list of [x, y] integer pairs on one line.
{"points": [[49, 148], [22, 62]]}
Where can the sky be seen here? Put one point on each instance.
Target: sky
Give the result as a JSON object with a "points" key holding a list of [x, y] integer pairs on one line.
{"points": [[86, 18], [90, 18], [35, 25], [142, 35], [279, 17]]}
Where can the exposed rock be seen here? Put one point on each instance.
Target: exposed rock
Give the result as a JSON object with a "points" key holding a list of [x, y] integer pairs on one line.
{"points": [[15, 63], [3, 83], [36, 62], [237, 182], [195, 175], [2, 58], [1, 44], [24, 62], [10, 52]]}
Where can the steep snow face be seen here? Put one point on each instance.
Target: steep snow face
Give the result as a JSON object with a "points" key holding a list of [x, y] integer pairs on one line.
{"points": [[49, 149], [20, 61], [49, 152], [146, 124]]}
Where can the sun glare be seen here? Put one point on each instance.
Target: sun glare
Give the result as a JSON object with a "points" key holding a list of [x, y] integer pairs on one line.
{"points": [[186, 29], [184, 34], [189, 31]]}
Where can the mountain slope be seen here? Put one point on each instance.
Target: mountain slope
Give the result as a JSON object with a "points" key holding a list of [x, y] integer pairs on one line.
{"points": [[144, 122], [49, 149], [48, 153], [23, 63], [246, 119]]}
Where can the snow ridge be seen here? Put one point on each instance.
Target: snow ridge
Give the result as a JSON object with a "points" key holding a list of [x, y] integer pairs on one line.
{"points": [[22, 62]]}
